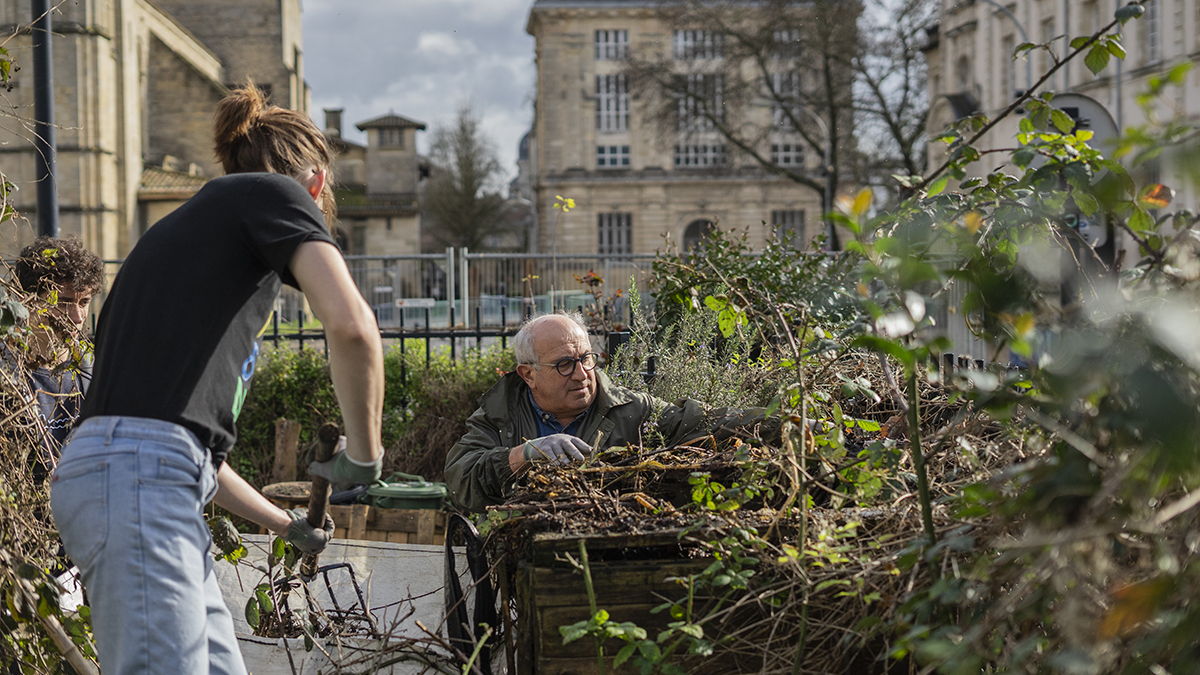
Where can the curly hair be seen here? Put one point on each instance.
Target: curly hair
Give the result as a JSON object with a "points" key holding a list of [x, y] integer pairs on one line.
{"points": [[50, 263]]}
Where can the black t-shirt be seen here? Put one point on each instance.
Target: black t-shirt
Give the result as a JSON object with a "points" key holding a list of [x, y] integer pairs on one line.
{"points": [[177, 337]]}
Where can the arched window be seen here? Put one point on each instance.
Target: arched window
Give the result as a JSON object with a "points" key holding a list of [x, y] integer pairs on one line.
{"points": [[696, 230]]}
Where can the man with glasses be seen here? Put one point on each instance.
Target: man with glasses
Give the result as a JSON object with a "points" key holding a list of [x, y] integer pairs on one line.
{"points": [[558, 407]]}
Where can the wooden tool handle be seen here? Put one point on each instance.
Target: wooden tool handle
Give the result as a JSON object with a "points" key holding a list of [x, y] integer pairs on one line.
{"points": [[318, 498]]}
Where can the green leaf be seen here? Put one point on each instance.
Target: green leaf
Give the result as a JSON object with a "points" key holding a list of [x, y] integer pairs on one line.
{"points": [[938, 186], [868, 425], [573, 632], [885, 346], [1024, 156], [277, 548], [649, 650], [264, 600], [693, 629], [1115, 48], [1080, 41], [623, 655], [1128, 12], [1062, 121], [1097, 58], [252, 612], [1141, 221], [1086, 202]]}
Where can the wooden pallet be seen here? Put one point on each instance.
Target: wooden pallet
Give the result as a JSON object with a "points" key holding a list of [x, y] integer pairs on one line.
{"points": [[365, 522]]}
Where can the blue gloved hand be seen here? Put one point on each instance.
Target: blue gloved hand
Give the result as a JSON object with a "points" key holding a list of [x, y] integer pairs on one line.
{"points": [[556, 449], [310, 540]]}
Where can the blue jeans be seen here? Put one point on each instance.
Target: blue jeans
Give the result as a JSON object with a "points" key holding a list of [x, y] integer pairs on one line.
{"points": [[128, 497]]}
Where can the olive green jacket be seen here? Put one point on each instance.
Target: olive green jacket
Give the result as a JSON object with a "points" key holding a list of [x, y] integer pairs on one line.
{"points": [[477, 470]]}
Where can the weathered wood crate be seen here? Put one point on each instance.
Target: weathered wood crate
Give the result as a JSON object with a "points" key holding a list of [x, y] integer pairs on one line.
{"points": [[630, 575], [369, 523]]}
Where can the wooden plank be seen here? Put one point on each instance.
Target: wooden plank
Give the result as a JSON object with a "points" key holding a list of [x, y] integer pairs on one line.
{"points": [[424, 527], [358, 521], [287, 443], [396, 520], [397, 537], [613, 581]]}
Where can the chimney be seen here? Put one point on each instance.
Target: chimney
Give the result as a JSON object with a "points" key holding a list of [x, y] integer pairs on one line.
{"points": [[333, 121]]}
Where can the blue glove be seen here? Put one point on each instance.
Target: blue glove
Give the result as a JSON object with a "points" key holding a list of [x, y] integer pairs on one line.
{"points": [[556, 449]]}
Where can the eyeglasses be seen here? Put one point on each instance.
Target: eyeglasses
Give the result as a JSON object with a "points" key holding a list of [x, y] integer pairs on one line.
{"points": [[566, 366]]}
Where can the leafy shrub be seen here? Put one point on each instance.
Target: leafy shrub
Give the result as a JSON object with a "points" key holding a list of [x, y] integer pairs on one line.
{"points": [[290, 384], [693, 360], [441, 398], [424, 409]]}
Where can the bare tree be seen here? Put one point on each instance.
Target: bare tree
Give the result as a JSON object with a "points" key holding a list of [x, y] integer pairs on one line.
{"points": [[892, 98], [462, 200], [843, 82]]}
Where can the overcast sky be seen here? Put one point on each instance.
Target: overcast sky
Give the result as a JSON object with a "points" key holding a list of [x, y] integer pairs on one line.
{"points": [[422, 59]]}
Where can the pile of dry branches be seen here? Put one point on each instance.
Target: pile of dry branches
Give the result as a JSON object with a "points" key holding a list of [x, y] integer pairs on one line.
{"points": [[832, 563]]}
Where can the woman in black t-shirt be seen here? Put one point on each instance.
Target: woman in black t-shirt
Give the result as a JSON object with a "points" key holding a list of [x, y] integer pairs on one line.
{"points": [[175, 350]]}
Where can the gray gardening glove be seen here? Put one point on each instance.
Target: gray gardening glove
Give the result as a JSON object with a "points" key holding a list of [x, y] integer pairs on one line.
{"points": [[556, 449], [305, 537], [342, 473]]}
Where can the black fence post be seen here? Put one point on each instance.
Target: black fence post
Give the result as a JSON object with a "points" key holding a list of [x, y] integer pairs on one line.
{"points": [[504, 324]]}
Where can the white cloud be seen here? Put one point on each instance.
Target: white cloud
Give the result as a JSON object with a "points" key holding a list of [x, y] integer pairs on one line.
{"points": [[422, 59], [443, 44]]}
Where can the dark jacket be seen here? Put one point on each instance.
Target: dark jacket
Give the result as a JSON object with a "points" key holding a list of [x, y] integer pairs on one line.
{"points": [[477, 470]]}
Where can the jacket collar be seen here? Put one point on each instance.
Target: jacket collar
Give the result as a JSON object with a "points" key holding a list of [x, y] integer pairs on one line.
{"points": [[511, 389]]}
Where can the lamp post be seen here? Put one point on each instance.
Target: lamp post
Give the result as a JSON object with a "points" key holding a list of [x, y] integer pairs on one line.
{"points": [[834, 244], [44, 144]]}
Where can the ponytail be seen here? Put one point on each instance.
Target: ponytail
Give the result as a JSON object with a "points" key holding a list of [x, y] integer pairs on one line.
{"points": [[251, 134]]}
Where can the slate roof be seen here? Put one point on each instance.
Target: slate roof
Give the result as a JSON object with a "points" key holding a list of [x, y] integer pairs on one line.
{"points": [[389, 120], [159, 183]]}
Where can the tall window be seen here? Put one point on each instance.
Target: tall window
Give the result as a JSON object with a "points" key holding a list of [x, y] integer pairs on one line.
{"points": [[616, 233], [701, 101], [787, 154], [787, 43], [699, 44], [1008, 70], [1047, 36], [612, 156], [789, 226], [787, 96], [1151, 31], [391, 137], [611, 44], [612, 103], [693, 156]]}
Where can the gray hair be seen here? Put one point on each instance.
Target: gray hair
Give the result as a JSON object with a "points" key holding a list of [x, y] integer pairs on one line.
{"points": [[523, 340]]}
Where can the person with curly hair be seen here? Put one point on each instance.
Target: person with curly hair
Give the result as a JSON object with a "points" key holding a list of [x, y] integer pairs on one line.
{"points": [[64, 276], [176, 348]]}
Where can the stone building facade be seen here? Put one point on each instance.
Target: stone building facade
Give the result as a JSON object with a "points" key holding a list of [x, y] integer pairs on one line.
{"points": [[378, 185], [593, 142], [136, 86], [971, 69]]}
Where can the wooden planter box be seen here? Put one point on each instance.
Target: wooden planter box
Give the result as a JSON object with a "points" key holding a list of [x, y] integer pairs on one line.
{"points": [[551, 593]]}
